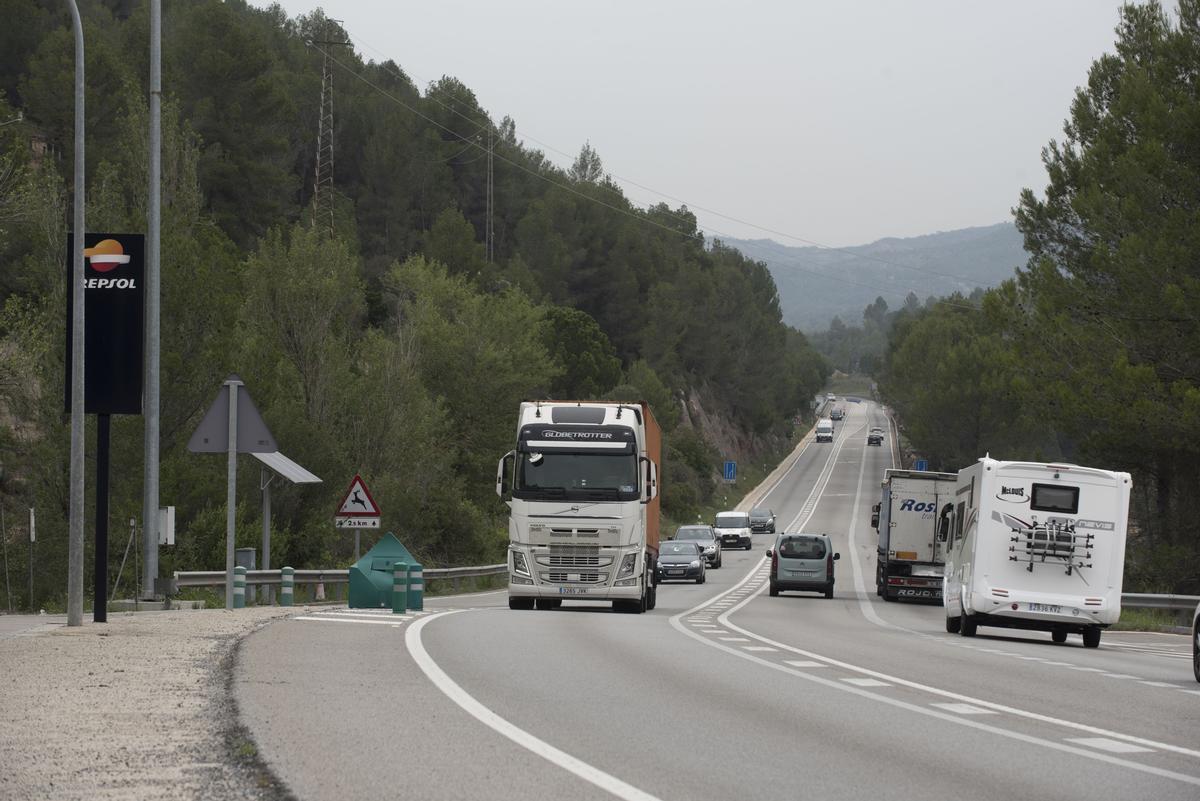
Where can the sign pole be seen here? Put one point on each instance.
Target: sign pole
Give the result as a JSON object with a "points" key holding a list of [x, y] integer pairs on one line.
{"points": [[100, 577], [76, 507], [231, 492], [266, 476], [32, 539]]}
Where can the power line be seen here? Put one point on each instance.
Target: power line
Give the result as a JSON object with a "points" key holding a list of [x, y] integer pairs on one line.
{"points": [[631, 182], [568, 187]]}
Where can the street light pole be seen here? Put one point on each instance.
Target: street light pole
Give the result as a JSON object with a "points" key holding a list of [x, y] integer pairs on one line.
{"points": [[153, 306], [75, 536]]}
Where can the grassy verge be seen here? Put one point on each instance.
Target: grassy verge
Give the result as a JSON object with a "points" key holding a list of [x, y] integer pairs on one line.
{"points": [[1150, 620]]}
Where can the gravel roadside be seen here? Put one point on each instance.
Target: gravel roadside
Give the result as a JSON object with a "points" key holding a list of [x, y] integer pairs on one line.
{"points": [[138, 708]]}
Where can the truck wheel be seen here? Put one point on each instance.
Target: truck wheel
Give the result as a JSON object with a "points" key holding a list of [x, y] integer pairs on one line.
{"points": [[1196, 650], [967, 626], [544, 603], [952, 624], [520, 603], [885, 595], [1059, 635], [1091, 637], [651, 596]]}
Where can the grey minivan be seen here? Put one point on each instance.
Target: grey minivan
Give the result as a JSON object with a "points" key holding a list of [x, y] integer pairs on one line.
{"points": [[802, 561]]}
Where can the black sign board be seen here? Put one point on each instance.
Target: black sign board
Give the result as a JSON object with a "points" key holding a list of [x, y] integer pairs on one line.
{"points": [[114, 274]]}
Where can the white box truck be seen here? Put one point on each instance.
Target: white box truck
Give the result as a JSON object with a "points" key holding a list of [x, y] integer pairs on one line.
{"points": [[910, 555], [582, 486], [1036, 546], [824, 430]]}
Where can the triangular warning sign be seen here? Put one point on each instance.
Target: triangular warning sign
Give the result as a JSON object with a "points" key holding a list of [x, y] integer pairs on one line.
{"points": [[358, 501]]}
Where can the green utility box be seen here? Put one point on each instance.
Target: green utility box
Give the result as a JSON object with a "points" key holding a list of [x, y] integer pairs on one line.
{"points": [[371, 577]]}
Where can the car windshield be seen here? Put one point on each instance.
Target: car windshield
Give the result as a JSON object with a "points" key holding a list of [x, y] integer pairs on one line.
{"points": [[740, 520], [681, 548], [577, 476], [694, 534], [802, 548], [762, 514]]}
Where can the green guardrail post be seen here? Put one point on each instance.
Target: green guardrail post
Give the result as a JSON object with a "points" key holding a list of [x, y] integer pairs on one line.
{"points": [[239, 587], [416, 587], [287, 585], [399, 587]]}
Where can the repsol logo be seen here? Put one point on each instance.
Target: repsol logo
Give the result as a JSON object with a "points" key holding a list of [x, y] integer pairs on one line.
{"points": [[109, 283], [912, 505]]}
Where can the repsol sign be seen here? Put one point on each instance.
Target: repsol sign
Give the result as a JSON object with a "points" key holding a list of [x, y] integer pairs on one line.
{"points": [[113, 299], [913, 505]]}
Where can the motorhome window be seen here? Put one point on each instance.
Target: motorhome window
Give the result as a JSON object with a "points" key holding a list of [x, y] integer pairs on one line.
{"points": [[1051, 498], [577, 476], [958, 520]]}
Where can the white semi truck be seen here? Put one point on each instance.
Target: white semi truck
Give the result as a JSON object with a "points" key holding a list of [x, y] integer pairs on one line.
{"points": [[1036, 546], [582, 486], [911, 555]]}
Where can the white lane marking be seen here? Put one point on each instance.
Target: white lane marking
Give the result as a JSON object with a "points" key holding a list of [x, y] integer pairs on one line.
{"points": [[965, 709], [1191, 692], [758, 648], [1121, 676], [574, 765], [1169, 684], [1112, 746], [867, 682], [396, 623], [805, 663], [734, 639], [1063, 664], [870, 695]]}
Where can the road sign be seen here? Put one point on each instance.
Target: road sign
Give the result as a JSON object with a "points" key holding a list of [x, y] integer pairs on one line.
{"points": [[357, 503], [730, 471], [212, 435], [922, 464], [356, 522]]}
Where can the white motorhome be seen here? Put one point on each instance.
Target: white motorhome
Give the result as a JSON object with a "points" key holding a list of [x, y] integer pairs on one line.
{"points": [[1036, 546], [824, 430]]}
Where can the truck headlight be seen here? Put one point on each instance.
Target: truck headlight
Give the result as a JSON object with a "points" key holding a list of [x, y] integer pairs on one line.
{"points": [[519, 565], [627, 565]]}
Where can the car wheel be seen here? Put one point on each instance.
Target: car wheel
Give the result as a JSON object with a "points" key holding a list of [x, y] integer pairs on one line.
{"points": [[749, 546], [952, 624], [773, 590], [1058, 635], [700, 580], [967, 626], [520, 603], [829, 591], [718, 560], [1091, 637], [1196, 650]]}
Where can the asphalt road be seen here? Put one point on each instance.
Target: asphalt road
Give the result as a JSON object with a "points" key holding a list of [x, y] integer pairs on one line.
{"points": [[722, 692]]}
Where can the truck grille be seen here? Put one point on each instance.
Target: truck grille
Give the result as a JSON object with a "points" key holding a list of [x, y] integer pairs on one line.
{"points": [[555, 560], [575, 532]]}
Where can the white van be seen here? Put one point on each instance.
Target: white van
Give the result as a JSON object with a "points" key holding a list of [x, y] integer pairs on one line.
{"points": [[1035, 546], [824, 430]]}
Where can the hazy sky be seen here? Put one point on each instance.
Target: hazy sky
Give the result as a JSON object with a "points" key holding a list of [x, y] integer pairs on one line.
{"points": [[833, 122]]}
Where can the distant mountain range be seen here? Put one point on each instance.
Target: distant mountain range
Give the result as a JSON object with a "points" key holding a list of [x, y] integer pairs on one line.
{"points": [[817, 284]]}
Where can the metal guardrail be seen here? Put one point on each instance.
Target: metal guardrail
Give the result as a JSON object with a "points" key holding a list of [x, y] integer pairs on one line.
{"points": [[1176, 603], [215, 578]]}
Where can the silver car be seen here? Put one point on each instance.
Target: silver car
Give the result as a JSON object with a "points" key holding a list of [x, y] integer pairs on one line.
{"points": [[706, 538], [802, 562]]}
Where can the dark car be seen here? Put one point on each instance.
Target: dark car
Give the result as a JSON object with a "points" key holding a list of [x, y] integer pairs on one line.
{"points": [[875, 436], [837, 414], [706, 538], [680, 560], [802, 562], [762, 520]]}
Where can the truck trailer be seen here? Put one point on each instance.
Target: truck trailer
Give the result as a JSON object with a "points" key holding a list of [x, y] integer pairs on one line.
{"points": [[582, 487], [910, 556], [1036, 546]]}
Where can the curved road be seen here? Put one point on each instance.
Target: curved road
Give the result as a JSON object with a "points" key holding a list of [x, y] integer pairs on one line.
{"points": [[722, 692]]}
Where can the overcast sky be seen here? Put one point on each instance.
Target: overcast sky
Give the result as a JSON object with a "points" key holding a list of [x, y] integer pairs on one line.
{"points": [[834, 122]]}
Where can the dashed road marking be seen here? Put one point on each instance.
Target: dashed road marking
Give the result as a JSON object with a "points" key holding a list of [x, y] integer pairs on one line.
{"points": [[759, 648], [1112, 746], [867, 682], [965, 709], [804, 663]]}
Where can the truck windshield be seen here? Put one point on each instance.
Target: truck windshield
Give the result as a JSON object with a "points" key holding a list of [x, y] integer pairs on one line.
{"points": [[577, 476]]}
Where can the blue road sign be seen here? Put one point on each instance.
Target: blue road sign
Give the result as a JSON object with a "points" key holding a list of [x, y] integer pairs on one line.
{"points": [[730, 471], [922, 464]]}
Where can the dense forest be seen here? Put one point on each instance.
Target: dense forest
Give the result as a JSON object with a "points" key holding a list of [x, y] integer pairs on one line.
{"points": [[390, 343], [1091, 352]]}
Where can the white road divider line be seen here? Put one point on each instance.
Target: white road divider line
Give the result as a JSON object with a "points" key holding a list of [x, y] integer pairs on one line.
{"points": [[867, 682], [573, 765], [1112, 746], [363, 621], [965, 709]]}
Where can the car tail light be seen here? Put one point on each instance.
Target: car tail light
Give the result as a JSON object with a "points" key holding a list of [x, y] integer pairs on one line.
{"points": [[775, 562], [829, 567]]}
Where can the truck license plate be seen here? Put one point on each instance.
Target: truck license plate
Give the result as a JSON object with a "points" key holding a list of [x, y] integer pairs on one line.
{"points": [[1053, 608], [572, 591]]}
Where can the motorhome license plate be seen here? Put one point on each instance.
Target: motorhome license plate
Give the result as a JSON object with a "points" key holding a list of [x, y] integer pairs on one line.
{"points": [[572, 591], [1053, 608]]}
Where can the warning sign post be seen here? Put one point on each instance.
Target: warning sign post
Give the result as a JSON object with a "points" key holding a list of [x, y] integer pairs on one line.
{"points": [[357, 510]]}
